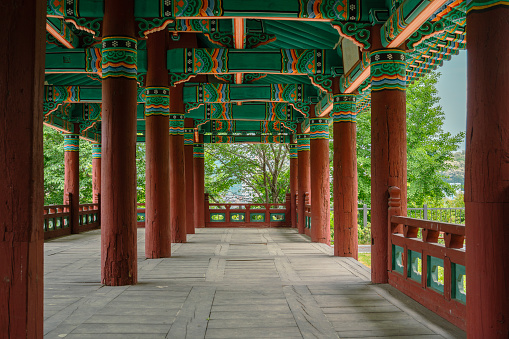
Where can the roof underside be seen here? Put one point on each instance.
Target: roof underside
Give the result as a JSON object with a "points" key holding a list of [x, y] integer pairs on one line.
{"points": [[256, 93]]}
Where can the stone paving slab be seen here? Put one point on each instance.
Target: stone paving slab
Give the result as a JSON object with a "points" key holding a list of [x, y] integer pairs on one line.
{"points": [[228, 283]]}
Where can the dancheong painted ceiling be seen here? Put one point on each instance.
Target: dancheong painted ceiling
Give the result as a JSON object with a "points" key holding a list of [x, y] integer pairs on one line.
{"points": [[256, 67]]}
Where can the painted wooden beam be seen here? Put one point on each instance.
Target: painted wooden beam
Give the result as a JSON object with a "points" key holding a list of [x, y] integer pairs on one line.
{"points": [[269, 111], [60, 31]]}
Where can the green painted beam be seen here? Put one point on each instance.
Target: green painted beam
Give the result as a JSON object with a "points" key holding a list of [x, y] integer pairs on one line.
{"points": [[223, 93], [285, 61], [61, 32], [247, 111]]}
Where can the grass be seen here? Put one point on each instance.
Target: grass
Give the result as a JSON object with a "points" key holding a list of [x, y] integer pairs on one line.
{"points": [[365, 259]]}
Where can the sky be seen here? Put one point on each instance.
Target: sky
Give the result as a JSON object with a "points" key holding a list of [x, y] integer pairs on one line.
{"points": [[452, 89]]}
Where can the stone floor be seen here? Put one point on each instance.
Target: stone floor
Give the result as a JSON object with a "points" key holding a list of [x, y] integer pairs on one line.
{"points": [[227, 283]]}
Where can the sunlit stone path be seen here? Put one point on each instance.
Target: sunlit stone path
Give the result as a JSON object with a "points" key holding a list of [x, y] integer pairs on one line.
{"points": [[228, 283]]}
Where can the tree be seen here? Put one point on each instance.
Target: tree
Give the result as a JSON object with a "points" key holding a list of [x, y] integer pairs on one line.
{"points": [[429, 148], [264, 168], [54, 168]]}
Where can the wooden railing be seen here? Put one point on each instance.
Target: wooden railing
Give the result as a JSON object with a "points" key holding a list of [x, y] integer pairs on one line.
{"points": [[247, 215], [57, 219], [307, 213], [140, 214], [426, 268]]}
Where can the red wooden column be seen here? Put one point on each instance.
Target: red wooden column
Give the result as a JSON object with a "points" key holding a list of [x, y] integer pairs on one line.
{"points": [[487, 170], [96, 172], [72, 176], [177, 167], [21, 168], [189, 165], [199, 182], [294, 168], [157, 111], [320, 182], [388, 146], [118, 173], [304, 184], [345, 176]]}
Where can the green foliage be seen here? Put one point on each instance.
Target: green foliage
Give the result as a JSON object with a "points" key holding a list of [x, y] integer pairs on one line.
{"points": [[54, 168], [264, 168], [365, 259], [140, 172], [429, 148]]}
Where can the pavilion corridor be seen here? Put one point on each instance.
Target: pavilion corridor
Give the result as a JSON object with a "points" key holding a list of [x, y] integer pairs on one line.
{"points": [[228, 283]]}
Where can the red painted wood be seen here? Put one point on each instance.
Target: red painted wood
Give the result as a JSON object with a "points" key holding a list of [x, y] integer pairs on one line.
{"points": [[199, 189], [320, 191], [72, 183], [487, 174], [118, 173], [294, 177], [157, 196], [96, 179], [388, 165], [189, 166], [177, 173], [345, 190], [21, 168], [304, 185]]}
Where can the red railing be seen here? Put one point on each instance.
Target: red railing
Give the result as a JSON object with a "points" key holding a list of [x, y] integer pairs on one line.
{"points": [[58, 218], [140, 214], [425, 267], [247, 215], [307, 213]]}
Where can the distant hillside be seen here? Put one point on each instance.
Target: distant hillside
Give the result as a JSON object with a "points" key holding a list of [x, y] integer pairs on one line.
{"points": [[457, 173]]}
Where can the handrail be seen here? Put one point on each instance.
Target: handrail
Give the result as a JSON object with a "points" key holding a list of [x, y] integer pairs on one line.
{"points": [[425, 267], [247, 214], [57, 219]]}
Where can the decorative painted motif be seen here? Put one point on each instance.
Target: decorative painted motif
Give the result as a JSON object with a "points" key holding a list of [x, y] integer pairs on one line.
{"points": [[287, 93], [302, 61], [195, 25], [330, 9], [272, 139], [291, 126], [484, 5], [93, 58], [71, 142], [361, 69], [222, 39], [178, 78], [388, 70], [222, 139], [96, 151], [252, 77], [228, 78], [254, 40], [272, 127], [218, 111], [426, 31], [157, 101], [344, 109], [198, 150], [188, 136], [293, 151], [62, 8], [277, 111], [357, 32], [213, 92], [50, 107], [202, 60], [303, 143], [92, 111], [223, 126], [176, 124], [85, 24], [324, 83], [189, 8], [150, 26], [119, 57], [393, 26], [301, 107], [62, 93], [319, 128]]}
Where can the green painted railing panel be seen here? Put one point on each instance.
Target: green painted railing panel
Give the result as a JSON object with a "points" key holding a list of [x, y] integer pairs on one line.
{"points": [[217, 217], [414, 265], [277, 217], [435, 274], [397, 259], [237, 217], [458, 288], [257, 217]]}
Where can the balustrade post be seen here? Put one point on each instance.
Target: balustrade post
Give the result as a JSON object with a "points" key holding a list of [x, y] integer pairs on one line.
{"points": [[394, 208], [96, 172], [294, 169]]}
